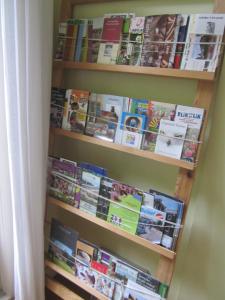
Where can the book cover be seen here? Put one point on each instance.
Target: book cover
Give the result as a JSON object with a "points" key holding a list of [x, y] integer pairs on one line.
{"points": [[99, 267], [136, 40], [65, 167], [75, 110], [86, 274], [150, 224], [103, 204], [170, 139], [173, 208], [71, 39], [108, 53], [57, 104], [203, 42], [147, 281], [61, 41], [81, 29], [92, 168], [171, 36], [109, 260], [90, 184], [193, 117], [105, 126], [62, 247], [125, 272], [84, 44], [181, 39], [154, 37], [132, 126], [124, 53], [94, 33], [86, 251], [101, 104], [156, 112], [138, 292], [105, 286], [139, 106], [125, 216]]}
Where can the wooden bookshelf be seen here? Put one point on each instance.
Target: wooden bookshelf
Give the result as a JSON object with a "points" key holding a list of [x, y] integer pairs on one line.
{"points": [[74, 280], [125, 149], [112, 228], [60, 290], [174, 73]]}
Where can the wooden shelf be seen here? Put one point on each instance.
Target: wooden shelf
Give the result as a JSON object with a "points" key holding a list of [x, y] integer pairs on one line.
{"points": [[60, 290], [134, 238], [75, 280], [125, 149], [175, 73]]}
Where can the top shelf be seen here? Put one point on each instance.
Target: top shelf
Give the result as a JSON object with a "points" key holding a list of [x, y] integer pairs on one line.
{"points": [[174, 73]]}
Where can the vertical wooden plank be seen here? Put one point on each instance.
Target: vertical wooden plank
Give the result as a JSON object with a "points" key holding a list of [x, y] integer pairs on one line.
{"points": [[219, 6], [165, 270]]}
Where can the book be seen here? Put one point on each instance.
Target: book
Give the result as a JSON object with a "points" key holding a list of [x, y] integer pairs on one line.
{"points": [[109, 260], [125, 272], [132, 126], [82, 29], [181, 39], [170, 139], [57, 104], [171, 36], [62, 246], [193, 117], [138, 292], [136, 40], [86, 252], [173, 208], [111, 38], [147, 281], [103, 204], [85, 42], [75, 110], [64, 167], [105, 286], [61, 41], [150, 224], [100, 108], [71, 39], [203, 42], [123, 56], [94, 34], [156, 112], [140, 107], [86, 274], [154, 37], [100, 171], [125, 214], [90, 184], [99, 267]]}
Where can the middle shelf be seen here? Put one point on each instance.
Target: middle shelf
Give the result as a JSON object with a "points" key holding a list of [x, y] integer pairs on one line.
{"points": [[125, 149], [134, 238]]}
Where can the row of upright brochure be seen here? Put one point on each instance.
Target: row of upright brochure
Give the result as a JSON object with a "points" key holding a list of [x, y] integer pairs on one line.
{"points": [[163, 128], [188, 42], [99, 268]]}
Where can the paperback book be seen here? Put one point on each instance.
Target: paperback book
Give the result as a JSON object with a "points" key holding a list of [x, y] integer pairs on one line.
{"points": [[136, 40], [138, 292], [132, 126], [150, 225], [193, 117], [147, 281], [170, 139], [57, 104], [94, 34], [124, 53], [105, 286], [86, 252], [104, 191], [61, 41], [203, 43], [71, 39], [157, 111], [62, 245], [75, 110], [125, 214], [65, 167], [86, 274], [81, 42]]}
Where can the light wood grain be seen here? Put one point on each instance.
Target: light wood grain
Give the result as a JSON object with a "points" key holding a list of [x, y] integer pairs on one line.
{"points": [[174, 73], [112, 228], [219, 6], [75, 280], [125, 149], [60, 290]]}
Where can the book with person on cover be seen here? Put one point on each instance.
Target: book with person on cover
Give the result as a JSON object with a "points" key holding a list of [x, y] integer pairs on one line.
{"points": [[173, 208], [170, 139], [103, 204], [156, 112], [154, 37], [86, 251], [111, 38], [203, 42], [57, 105], [138, 292], [150, 224], [136, 40], [94, 36], [132, 126], [125, 214], [62, 246], [181, 39], [75, 110], [102, 107], [193, 117], [90, 184]]}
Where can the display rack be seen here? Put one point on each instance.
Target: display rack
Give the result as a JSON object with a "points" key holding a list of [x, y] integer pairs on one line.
{"points": [[204, 98]]}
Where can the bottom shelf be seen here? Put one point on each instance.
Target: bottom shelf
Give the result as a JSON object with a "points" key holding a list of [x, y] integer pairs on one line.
{"points": [[60, 290], [74, 280]]}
